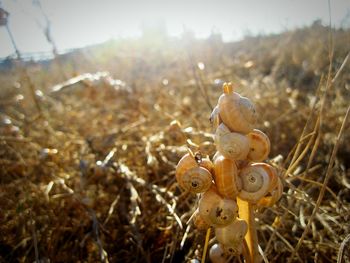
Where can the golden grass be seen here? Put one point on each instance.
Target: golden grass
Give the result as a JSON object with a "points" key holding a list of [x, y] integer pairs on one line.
{"points": [[87, 172]]}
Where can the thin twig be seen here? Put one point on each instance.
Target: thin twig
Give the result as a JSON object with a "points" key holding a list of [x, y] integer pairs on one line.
{"points": [[341, 249], [262, 254], [297, 147], [293, 165], [341, 68], [199, 81], [35, 239], [207, 236], [323, 189], [283, 239]]}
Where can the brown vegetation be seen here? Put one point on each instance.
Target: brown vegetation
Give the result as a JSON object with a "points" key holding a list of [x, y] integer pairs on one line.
{"points": [[87, 170]]}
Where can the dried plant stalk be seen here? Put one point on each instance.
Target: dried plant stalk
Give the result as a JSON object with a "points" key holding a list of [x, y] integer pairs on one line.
{"points": [[246, 212]]}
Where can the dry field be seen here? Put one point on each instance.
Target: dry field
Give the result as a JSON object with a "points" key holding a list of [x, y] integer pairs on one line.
{"points": [[87, 166]]}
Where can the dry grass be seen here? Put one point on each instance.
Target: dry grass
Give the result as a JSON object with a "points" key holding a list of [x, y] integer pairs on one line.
{"points": [[87, 172]]}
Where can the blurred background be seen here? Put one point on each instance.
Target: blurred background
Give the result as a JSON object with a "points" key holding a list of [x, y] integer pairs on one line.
{"points": [[99, 100], [79, 23]]}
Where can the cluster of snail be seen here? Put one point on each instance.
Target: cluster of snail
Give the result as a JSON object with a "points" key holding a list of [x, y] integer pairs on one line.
{"points": [[236, 173]]}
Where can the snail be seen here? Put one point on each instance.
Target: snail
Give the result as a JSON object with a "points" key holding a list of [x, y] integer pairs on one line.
{"points": [[271, 171], [231, 236], [242, 163], [232, 145], [259, 145], [217, 254], [257, 180], [226, 177], [205, 163], [273, 196], [237, 112], [198, 221], [216, 210], [194, 174], [215, 119]]}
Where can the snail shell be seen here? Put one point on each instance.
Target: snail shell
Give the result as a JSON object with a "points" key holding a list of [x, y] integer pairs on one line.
{"points": [[226, 177], [207, 164], [242, 163], [237, 112], [216, 210], [217, 254], [256, 182], [215, 119], [273, 196], [232, 145], [199, 222], [259, 146], [192, 176], [231, 236], [271, 171]]}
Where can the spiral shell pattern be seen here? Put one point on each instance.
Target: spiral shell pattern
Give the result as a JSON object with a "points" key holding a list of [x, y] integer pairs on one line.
{"points": [[196, 180], [232, 145], [192, 176], [255, 183]]}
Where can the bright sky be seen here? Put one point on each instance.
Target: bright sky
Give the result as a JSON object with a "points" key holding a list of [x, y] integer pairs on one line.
{"points": [[76, 23]]}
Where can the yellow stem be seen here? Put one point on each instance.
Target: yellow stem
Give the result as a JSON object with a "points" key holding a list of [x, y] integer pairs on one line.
{"points": [[206, 245], [246, 212], [228, 88]]}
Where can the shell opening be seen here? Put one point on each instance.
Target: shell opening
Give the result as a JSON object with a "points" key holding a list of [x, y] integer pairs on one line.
{"points": [[194, 184], [252, 182], [196, 180], [232, 149]]}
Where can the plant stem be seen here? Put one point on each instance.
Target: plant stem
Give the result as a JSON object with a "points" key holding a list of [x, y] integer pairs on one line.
{"points": [[246, 212], [206, 245], [13, 42]]}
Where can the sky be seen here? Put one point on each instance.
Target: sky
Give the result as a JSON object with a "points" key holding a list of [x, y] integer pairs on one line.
{"points": [[77, 23]]}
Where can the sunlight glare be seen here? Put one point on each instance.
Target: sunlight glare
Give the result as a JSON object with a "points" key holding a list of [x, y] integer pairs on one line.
{"points": [[77, 23]]}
